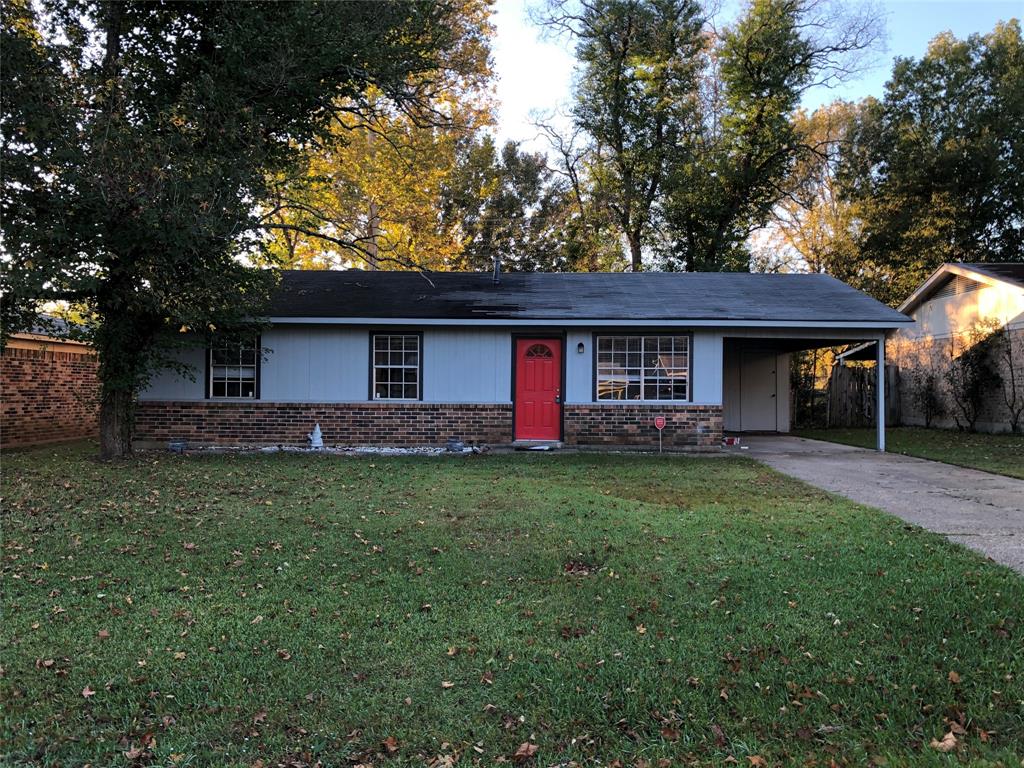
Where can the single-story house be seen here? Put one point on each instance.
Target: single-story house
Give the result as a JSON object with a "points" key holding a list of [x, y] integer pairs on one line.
{"points": [[959, 306], [586, 359]]}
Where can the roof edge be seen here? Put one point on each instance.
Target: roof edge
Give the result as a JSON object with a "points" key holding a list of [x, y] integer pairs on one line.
{"points": [[925, 289]]}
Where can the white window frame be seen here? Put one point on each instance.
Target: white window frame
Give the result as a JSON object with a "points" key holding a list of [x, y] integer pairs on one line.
{"points": [[375, 367], [212, 366], [644, 376]]}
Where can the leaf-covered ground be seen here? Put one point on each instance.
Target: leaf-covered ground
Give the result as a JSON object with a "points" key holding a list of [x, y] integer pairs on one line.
{"points": [[1002, 453], [256, 610]]}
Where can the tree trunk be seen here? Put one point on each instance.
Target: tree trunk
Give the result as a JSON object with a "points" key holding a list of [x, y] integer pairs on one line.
{"points": [[116, 411], [635, 252]]}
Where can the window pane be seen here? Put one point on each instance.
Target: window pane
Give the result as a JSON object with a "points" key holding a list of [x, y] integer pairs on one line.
{"points": [[396, 362], [233, 369], [643, 367]]}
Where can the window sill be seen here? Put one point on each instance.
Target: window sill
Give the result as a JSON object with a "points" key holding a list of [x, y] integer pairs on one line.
{"points": [[641, 402]]}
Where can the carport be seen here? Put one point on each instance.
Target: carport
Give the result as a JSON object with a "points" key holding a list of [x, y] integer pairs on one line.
{"points": [[755, 375]]}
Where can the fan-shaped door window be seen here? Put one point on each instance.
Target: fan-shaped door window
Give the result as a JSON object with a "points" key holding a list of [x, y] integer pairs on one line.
{"points": [[539, 350]]}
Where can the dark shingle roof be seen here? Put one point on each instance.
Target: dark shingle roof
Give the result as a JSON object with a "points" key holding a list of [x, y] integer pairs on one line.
{"points": [[1011, 273], [458, 296]]}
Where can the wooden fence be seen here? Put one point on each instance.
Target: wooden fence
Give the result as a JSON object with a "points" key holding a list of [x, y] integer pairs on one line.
{"points": [[851, 396]]}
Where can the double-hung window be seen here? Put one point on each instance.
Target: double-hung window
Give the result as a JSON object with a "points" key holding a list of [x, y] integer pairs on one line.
{"points": [[643, 367], [234, 370], [396, 366]]}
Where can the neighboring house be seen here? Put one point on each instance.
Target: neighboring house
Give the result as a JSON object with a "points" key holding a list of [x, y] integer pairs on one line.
{"points": [[48, 388], [957, 307], [400, 358]]}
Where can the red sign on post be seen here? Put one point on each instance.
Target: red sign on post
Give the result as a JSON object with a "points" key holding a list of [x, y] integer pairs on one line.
{"points": [[659, 422]]}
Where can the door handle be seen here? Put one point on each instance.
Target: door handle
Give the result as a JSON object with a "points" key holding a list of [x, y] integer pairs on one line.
{"points": [[558, 399]]}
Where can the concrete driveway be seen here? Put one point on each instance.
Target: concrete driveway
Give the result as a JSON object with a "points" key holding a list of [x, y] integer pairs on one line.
{"points": [[979, 510]]}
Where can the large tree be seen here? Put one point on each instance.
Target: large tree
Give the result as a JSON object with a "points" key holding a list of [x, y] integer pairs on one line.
{"points": [[748, 139], [140, 140], [511, 205], [689, 129], [812, 227], [381, 182], [634, 94], [935, 168]]}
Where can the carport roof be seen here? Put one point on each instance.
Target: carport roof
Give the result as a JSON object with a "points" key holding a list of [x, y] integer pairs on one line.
{"points": [[627, 297]]}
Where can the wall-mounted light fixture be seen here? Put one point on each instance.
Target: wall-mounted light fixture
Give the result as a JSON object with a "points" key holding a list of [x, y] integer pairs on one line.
{"points": [[579, 347]]}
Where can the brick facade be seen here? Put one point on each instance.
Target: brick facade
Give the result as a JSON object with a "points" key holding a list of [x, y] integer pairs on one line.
{"points": [[412, 424], [632, 424], [371, 423], [47, 396]]}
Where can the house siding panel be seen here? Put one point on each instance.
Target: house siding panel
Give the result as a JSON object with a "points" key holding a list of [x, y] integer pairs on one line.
{"points": [[467, 366]]}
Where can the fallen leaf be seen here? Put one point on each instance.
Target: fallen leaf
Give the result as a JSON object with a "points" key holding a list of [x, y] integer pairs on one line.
{"points": [[103, 634], [390, 745], [447, 684], [259, 717], [948, 743], [87, 692], [525, 752], [719, 734], [954, 677], [284, 653], [757, 761], [669, 733]]}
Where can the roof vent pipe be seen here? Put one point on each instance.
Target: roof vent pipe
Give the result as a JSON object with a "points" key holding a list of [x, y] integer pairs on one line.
{"points": [[497, 268]]}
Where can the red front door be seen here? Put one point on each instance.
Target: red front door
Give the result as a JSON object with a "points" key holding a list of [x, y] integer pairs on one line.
{"points": [[538, 404]]}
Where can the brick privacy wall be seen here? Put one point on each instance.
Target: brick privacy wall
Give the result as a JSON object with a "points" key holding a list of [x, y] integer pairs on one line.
{"points": [[47, 396], [371, 423], [411, 424], [686, 426]]}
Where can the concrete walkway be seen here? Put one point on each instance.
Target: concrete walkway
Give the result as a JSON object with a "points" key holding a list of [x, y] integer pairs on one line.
{"points": [[979, 510]]}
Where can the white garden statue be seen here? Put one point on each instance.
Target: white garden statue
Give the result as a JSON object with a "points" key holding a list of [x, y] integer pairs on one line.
{"points": [[316, 437]]}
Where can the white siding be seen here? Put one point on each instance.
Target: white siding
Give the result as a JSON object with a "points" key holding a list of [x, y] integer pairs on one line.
{"points": [[171, 385], [943, 316], [315, 365], [460, 365], [467, 366], [579, 368]]}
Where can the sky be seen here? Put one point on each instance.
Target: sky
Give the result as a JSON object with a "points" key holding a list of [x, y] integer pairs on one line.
{"points": [[535, 75]]}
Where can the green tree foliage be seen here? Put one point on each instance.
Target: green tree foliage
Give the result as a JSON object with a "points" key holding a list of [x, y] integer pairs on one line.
{"points": [[639, 64], [138, 141], [513, 206], [691, 132], [934, 168], [749, 140]]}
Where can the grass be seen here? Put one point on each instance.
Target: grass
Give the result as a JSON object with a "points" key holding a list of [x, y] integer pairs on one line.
{"points": [[301, 610], [1002, 453]]}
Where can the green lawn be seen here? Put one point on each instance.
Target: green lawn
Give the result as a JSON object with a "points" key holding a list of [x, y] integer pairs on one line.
{"points": [[1003, 454], [260, 609]]}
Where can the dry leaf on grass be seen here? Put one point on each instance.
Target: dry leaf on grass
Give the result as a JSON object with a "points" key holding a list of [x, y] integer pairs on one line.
{"points": [[948, 743], [525, 752]]}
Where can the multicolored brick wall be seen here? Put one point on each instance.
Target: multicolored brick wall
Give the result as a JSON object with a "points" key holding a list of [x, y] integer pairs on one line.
{"points": [[47, 396], [632, 424], [413, 424]]}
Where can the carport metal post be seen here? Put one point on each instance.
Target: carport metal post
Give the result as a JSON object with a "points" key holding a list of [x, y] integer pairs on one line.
{"points": [[880, 391]]}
